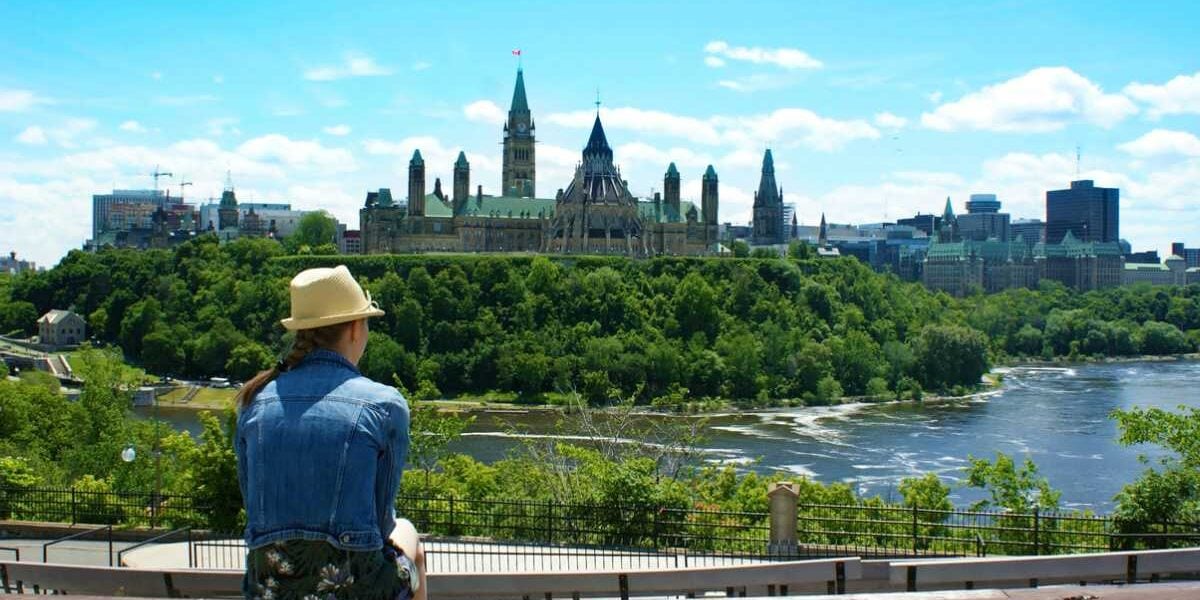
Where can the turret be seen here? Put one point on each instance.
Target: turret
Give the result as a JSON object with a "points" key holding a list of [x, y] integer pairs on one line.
{"points": [[416, 185], [709, 196], [462, 183], [671, 189]]}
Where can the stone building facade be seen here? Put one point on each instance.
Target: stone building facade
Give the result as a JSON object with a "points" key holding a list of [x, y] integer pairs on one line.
{"points": [[594, 214]]}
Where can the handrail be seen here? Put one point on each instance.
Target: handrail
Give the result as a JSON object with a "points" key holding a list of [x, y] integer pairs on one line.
{"points": [[121, 554], [46, 546]]}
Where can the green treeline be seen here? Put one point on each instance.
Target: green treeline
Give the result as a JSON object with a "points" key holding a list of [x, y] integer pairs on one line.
{"points": [[673, 332]]}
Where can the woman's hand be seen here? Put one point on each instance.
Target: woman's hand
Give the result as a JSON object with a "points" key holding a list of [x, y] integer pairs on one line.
{"points": [[405, 538]]}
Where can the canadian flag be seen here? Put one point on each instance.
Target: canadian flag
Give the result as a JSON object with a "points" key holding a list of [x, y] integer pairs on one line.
{"points": [[516, 52]]}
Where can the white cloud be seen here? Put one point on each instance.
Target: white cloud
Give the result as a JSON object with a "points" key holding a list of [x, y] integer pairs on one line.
{"points": [[934, 97], [65, 134], [754, 83], [484, 111], [132, 127], [220, 126], [889, 121], [714, 61], [795, 126], [645, 121], [17, 100], [298, 153], [788, 58], [353, 65], [32, 135], [337, 130], [421, 65], [1163, 142], [785, 126], [1044, 99], [1180, 95]]}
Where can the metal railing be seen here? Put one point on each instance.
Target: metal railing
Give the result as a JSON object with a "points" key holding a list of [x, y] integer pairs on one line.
{"points": [[80, 534], [525, 531]]}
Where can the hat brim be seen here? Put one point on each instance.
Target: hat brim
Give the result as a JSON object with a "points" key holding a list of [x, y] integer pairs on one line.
{"points": [[293, 324]]}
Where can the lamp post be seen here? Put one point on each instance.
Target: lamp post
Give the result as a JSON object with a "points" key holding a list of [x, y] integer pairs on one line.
{"points": [[129, 454]]}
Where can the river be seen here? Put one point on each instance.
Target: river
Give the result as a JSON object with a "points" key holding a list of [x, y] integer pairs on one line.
{"points": [[1058, 416]]}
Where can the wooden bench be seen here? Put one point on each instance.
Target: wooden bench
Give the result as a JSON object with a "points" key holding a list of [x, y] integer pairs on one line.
{"points": [[761, 579], [1035, 570], [29, 577]]}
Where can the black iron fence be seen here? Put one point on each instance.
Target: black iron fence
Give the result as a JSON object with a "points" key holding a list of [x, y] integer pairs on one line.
{"points": [[508, 534], [72, 505]]}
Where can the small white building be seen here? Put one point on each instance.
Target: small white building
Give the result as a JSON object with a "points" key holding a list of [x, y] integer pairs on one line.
{"points": [[61, 328]]}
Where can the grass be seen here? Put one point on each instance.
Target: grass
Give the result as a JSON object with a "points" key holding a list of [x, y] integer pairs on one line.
{"points": [[207, 398]]}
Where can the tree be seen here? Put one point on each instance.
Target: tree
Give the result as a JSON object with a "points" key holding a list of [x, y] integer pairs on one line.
{"points": [[1163, 338], [1018, 490], [247, 359], [314, 230], [1171, 493], [696, 307], [213, 476], [432, 431], [950, 355], [740, 249]]}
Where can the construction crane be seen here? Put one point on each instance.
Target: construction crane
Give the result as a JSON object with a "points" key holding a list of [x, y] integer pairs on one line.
{"points": [[156, 174], [181, 184]]}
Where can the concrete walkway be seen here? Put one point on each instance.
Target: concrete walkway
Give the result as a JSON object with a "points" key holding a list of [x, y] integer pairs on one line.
{"points": [[1141, 591]]}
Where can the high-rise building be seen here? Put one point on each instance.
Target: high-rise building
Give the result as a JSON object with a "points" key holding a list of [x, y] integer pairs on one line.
{"points": [[1190, 256], [768, 206], [983, 220], [518, 172], [1031, 231], [102, 205], [1090, 213]]}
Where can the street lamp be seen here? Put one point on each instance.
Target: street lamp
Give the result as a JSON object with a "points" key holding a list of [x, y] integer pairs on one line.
{"points": [[129, 454]]}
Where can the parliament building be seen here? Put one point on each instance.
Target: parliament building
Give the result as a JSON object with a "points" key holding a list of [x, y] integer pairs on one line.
{"points": [[595, 213]]}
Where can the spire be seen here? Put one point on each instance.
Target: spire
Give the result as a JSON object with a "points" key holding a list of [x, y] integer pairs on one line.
{"points": [[462, 160], [823, 233], [672, 171], [416, 159], [597, 154], [710, 173], [519, 103], [768, 191], [948, 213]]}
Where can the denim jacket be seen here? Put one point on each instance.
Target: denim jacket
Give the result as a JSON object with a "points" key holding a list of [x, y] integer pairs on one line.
{"points": [[320, 451]]}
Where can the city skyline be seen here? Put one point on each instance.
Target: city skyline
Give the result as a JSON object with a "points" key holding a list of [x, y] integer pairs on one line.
{"points": [[873, 112]]}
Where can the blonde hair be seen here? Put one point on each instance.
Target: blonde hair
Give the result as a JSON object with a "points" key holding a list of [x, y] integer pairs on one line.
{"points": [[306, 341]]}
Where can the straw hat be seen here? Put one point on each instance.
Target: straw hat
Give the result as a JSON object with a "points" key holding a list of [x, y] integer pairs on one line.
{"points": [[326, 296]]}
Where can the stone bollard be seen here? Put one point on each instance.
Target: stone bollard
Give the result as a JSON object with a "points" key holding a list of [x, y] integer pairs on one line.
{"points": [[783, 497]]}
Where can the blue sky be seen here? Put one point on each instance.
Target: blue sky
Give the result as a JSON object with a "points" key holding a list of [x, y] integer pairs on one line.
{"points": [[873, 110]]}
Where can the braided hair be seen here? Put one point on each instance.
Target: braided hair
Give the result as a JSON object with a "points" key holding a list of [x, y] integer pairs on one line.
{"points": [[305, 341]]}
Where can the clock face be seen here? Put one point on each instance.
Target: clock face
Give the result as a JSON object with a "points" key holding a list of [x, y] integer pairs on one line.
{"points": [[521, 128]]}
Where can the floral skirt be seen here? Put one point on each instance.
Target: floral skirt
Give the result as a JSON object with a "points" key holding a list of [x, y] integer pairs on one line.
{"points": [[315, 570]]}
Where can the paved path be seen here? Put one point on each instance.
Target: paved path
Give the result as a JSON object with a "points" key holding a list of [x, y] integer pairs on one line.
{"points": [[1142, 591], [73, 552]]}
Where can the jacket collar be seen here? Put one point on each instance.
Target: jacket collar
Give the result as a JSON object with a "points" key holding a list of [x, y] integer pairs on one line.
{"points": [[325, 355]]}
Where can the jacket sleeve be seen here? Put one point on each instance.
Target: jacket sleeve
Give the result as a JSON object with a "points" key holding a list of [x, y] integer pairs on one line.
{"points": [[392, 462]]}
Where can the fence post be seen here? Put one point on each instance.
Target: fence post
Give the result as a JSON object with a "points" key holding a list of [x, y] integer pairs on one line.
{"points": [[1037, 525], [72, 505], [914, 527], [783, 497], [550, 521], [452, 525]]}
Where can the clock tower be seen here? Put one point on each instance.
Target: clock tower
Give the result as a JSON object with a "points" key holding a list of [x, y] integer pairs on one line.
{"points": [[518, 169]]}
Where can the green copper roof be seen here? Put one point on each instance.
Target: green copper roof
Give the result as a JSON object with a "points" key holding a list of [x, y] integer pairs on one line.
{"points": [[510, 207], [416, 159], [664, 213], [949, 212], [710, 173], [768, 162], [672, 171], [462, 160], [519, 103]]}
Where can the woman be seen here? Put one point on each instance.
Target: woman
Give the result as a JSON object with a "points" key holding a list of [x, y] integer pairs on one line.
{"points": [[320, 452]]}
